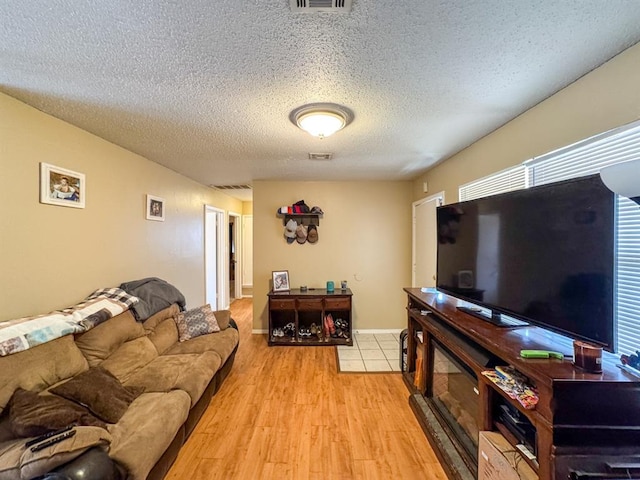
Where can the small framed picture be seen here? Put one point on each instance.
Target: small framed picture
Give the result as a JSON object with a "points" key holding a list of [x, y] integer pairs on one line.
{"points": [[59, 186], [281, 281], [155, 208]]}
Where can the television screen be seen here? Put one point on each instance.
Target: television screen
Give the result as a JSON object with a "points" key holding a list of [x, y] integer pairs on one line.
{"points": [[544, 255]]}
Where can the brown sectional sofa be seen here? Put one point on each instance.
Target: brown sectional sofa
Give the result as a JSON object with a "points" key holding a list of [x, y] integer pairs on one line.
{"points": [[179, 380]]}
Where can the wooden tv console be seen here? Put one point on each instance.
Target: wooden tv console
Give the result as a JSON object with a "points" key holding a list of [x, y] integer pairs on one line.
{"points": [[584, 422]]}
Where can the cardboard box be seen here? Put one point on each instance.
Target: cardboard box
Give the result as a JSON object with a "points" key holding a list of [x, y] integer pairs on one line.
{"points": [[499, 460]]}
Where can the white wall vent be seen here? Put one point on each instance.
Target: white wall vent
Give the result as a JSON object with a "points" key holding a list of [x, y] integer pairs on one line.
{"points": [[232, 187], [311, 6], [320, 156]]}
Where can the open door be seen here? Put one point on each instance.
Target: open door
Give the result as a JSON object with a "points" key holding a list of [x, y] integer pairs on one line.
{"points": [[235, 256], [214, 257], [425, 238]]}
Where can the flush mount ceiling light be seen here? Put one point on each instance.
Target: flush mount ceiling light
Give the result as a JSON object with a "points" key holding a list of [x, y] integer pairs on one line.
{"points": [[321, 119]]}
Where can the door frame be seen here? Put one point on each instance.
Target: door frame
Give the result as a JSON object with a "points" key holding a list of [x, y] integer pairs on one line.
{"points": [[439, 197], [247, 245], [222, 283], [237, 237]]}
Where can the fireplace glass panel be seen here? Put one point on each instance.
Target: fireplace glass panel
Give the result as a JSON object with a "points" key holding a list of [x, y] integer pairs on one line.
{"points": [[454, 393]]}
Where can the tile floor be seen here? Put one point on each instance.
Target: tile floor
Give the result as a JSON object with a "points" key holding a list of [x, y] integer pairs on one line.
{"points": [[378, 352]]}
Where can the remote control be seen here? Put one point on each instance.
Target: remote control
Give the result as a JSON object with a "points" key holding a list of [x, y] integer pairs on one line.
{"points": [[53, 441], [42, 438], [541, 354]]}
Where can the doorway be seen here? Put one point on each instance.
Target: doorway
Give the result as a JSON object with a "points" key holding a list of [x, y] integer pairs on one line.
{"points": [[235, 257], [425, 238], [214, 257]]}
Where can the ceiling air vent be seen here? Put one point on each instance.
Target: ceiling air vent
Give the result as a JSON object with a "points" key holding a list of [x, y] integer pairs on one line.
{"points": [[232, 187], [320, 156], [311, 6]]}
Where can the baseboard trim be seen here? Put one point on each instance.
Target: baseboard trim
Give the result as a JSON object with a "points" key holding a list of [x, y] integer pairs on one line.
{"points": [[366, 331], [247, 296], [259, 331]]}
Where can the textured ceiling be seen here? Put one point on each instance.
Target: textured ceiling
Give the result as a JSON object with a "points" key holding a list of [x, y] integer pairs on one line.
{"points": [[205, 87]]}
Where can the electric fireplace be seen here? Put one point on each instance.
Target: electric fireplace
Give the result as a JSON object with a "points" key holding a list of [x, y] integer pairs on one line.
{"points": [[453, 394]]}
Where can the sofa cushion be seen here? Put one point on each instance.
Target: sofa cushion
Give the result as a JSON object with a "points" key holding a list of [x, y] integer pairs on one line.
{"points": [[146, 430], [19, 462], [196, 322], [164, 335], [223, 343], [191, 373], [31, 414], [101, 392], [40, 367], [156, 319], [100, 342], [223, 317], [130, 357]]}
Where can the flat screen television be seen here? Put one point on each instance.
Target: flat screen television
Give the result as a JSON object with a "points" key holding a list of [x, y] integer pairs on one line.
{"points": [[542, 255]]}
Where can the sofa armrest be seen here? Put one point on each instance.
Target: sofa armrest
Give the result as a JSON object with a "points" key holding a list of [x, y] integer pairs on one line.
{"points": [[233, 324]]}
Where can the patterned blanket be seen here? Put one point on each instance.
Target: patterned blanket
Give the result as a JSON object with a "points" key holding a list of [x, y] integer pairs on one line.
{"points": [[24, 333]]}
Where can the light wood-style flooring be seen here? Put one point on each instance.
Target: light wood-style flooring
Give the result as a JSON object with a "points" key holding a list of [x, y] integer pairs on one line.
{"points": [[286, 413]]}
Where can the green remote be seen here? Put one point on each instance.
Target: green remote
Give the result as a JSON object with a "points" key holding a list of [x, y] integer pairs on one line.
{"points": [[540, 354]]}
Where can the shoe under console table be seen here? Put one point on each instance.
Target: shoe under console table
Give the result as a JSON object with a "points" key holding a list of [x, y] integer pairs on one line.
{"points": [[293, 314], [583, 422]]}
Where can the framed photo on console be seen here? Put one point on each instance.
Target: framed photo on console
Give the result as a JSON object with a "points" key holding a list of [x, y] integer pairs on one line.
{"points": [[281, 281]]}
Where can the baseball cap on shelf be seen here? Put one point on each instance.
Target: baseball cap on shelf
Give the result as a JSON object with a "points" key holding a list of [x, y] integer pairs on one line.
{"points": [[290, 230], [300, 207], [301, 234], [317, 210], [312, 234]]}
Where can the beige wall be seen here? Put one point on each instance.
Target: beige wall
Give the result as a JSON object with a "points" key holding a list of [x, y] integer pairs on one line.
{"points": [[247, 208], [364, 238], [53, 256], [606, 98]]}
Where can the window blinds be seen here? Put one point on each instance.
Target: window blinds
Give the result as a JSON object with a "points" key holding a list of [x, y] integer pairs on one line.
{"points": [[504, 181], [586, 158]]}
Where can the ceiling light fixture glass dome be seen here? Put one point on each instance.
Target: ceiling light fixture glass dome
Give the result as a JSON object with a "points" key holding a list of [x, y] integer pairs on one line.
{"points": [[321, 119]]}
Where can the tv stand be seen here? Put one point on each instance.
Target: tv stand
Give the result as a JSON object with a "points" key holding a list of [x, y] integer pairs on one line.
{"points": [[495, 318], [582, 422]]}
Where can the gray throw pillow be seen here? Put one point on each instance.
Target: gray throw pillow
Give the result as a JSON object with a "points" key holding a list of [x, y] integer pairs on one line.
{"points": [[196, 322]]}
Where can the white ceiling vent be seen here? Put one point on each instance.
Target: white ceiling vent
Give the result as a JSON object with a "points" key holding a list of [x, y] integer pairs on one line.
{"points": [[320, 156], [311, 6]]}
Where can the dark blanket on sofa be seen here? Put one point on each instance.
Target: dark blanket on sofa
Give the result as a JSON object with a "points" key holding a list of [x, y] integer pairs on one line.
{"points": [[154, 294]]}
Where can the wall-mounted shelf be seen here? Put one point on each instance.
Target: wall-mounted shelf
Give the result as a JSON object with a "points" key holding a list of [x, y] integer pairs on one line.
{"points": [[301, 218]]}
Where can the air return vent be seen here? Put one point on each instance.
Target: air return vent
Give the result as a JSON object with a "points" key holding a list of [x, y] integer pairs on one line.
{"points": [[320, 156], [232, 187], [311, 6]]}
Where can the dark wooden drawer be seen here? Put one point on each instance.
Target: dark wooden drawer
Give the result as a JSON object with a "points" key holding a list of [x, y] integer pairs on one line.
{"points": [[282, 304], [309, 304], [343, 303]]}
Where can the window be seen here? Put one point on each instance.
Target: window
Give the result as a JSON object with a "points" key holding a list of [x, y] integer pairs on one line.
{"points": [[505, 181], [585, 158]]}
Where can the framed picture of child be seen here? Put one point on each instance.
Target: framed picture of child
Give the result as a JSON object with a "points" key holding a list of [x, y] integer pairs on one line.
{"points": [[281, 281], [155, 208], [60, 186]]}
